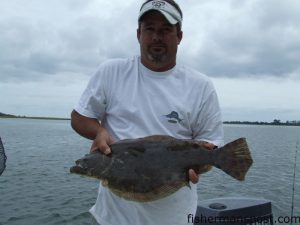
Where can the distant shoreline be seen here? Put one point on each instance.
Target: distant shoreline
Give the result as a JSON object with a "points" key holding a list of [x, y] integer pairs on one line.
{"points": [[32, 117], [288, 123], [274, 123]]}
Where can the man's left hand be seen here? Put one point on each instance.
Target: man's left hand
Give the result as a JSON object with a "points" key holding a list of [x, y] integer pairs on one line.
{"points": [[193, 176]]}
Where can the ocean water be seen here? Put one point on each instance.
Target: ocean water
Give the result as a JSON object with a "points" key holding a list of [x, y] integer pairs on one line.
{"points": [[37, 188]]}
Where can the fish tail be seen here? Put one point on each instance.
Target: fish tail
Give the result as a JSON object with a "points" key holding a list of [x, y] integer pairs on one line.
{"points": [[234, 158]]}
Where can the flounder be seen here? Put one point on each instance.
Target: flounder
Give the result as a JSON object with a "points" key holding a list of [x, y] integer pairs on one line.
{"points": [[150, 168]]}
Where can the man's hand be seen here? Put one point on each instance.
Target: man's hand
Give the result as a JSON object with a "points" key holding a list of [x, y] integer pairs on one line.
{"points": [[193, 176], [102, 141], [91, 128]]}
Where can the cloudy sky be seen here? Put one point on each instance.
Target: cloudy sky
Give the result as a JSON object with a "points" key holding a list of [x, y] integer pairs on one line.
{"points": [[250, 49]]}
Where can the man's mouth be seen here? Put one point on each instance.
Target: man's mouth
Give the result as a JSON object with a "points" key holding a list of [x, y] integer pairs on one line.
{"points": [[157, 48]]}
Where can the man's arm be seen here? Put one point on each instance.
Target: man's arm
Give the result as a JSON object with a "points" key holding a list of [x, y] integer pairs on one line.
{"points": [[91, 128]]}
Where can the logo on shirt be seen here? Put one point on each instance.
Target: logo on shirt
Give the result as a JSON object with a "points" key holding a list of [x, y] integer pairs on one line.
{"points": [[173, 117]]}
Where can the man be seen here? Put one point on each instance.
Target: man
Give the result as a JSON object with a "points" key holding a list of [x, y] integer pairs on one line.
{"points": [[146, 95]]}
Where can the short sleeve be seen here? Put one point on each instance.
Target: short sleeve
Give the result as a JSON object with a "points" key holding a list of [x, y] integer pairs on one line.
{"points": [[93, 100], [208, 125]]}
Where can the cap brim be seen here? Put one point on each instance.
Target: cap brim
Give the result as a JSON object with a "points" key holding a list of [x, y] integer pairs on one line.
{"points": [[168, 17]]}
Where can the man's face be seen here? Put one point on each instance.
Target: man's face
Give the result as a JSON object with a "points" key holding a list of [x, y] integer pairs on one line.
{"points": [[158, 41]]}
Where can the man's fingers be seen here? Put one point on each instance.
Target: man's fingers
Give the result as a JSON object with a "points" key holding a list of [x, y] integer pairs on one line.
{"points": [[102, 142], [107, 151], [194, 178], [209, 146], [102, 147]]}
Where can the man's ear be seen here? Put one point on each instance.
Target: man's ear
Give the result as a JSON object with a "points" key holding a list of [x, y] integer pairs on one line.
{"points": [[138, 34], [179, 36]]}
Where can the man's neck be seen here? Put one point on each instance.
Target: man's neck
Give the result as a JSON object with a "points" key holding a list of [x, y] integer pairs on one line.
{"points": [[157, 66]]}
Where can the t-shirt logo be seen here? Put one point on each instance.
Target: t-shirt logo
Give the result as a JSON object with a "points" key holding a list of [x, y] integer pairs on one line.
{"points": [[173, 117]]}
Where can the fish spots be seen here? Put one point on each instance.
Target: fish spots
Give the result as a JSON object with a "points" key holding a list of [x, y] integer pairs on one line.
{"points": [[136, 151], [120, 161]]}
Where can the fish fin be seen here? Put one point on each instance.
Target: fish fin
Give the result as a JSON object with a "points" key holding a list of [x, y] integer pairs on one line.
{"points": [[157, 193], [234, 158], [157, 138]]}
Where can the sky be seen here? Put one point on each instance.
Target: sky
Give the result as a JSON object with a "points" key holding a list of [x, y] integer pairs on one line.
{"points": [[250, 49]]}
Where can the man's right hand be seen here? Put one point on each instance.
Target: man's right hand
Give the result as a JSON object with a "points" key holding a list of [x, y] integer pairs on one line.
{"points": [[102, 142], [91, 128]]}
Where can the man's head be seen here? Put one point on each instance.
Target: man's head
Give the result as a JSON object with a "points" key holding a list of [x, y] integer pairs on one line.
{"points": [[159, 33], [169, 8]]}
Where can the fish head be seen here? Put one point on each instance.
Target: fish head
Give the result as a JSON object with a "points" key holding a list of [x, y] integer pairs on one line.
{"points": [[92, 165]]}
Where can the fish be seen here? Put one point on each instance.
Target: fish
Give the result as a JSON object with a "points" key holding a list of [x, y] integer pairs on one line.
{"points": [[150, 168]]}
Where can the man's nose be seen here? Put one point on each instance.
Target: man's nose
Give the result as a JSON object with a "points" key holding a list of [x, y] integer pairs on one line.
{"points": [[157, 35]]}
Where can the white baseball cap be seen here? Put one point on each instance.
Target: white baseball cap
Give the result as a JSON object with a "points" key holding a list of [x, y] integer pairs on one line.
{"points": [[165, 8]]}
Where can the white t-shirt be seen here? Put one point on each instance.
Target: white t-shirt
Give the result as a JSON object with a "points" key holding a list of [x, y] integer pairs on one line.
{"points": [[132, 101]]}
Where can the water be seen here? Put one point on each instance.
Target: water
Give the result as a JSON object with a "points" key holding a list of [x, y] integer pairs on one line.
{"points": [[37, 188]]}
